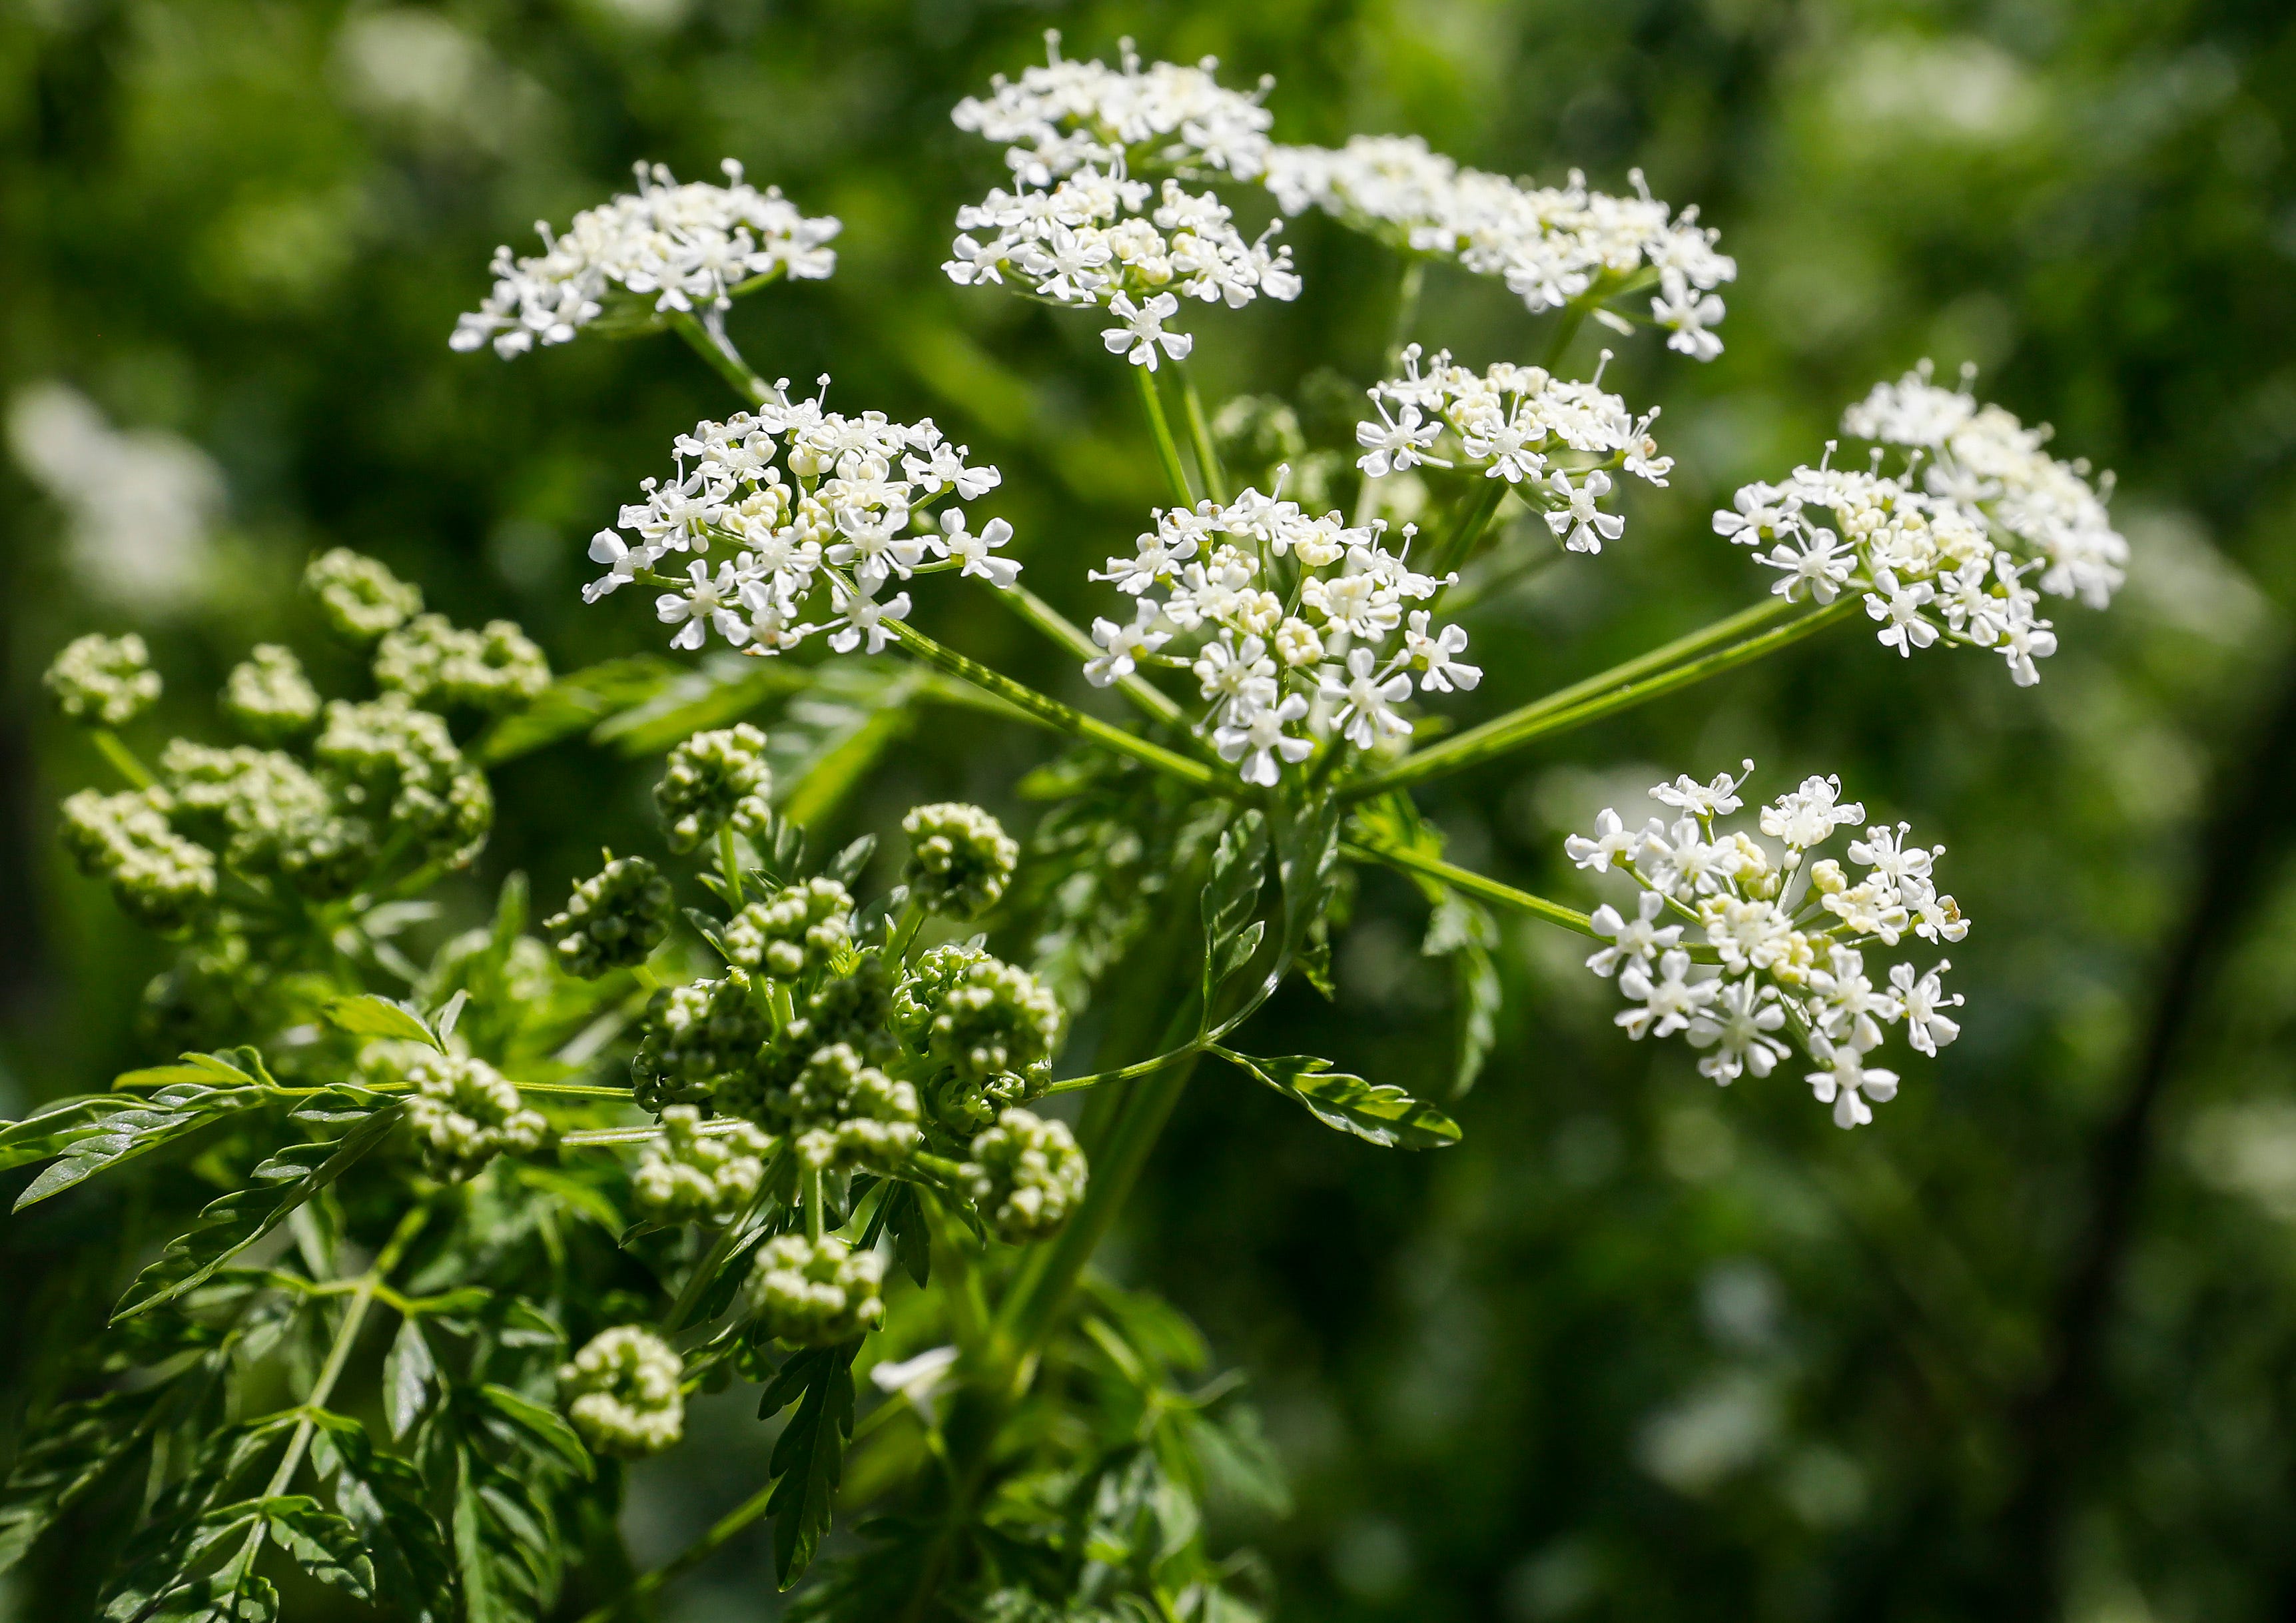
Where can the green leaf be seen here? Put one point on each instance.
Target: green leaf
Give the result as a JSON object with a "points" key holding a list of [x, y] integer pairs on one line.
{"points": [[505, 1549], [76, 1446], [370, 1016], [408, 1370], [539, 1425], [1378, 1113], [383, 1496], [322, 1543], [808, 1461], [846, 867], [911, 1238], [1231, 897], [238, 1220], [577, 701], [115, 1128], [726, 688]]}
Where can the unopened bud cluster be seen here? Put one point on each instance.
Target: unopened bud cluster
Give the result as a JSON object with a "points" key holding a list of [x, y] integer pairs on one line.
{"points": [[465, 1113], [960, 860], [688, 1176], [713, 779], [614, 919], [622, 1392], [103, 681], [1027, 1175], [817, 1292], [1779, 960]]}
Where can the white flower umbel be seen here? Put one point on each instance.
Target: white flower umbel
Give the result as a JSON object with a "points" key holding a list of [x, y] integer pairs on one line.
{"points": [[1782, 936], [1098, 238], [665, 248], [1066, 115], [1554, 441], [1958, 544], [1550, 245], [1296, 629], [790, 509]]}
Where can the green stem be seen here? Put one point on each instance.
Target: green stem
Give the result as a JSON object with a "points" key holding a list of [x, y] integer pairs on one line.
{"points": [[1491, 890], [1160, 426], [816, 1220], [1573, 317], [1475, 516], [1406, 311], [1151, 700], [1144, 1068], [1199, 436], [729, 865], [123, 761], [568, 1090], [1051, 713], [723, 358], [1621, 687], [720, 1248]]}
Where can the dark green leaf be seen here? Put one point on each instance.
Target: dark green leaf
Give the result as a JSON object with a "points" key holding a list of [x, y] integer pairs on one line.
{"points": [[408, 1370], [538, 1425], [578, 700], [323, 1544], [1378, 1113], [911, 1240], [1231, 896], [86, 1140], [808, 1463], [238, 1220], [846, 867], [369, 1015], [383, 1498], [76, 1446]]}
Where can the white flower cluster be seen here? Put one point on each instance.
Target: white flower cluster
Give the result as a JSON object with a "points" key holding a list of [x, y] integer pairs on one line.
{"points": [[1066, 115], [1302, 627], [682, 247], [851, 507], [1518, 423], [1091, 239], [1780, 957], [1550, 245], [1960, 546]]}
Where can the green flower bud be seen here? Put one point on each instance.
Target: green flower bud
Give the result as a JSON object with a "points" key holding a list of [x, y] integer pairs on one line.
{"points": [[622, 1392], [326, 858], [697, 1032], [685, 1176], [268, 696], [255, 800], [358, 596], [466, 1113], [842, 1111], [960, 861], [399, 765], [614, 918], [707, 780], [102, 681], [989, 1028], [432, 662], [160, 879], [1027, 1175], [799, 929], [817, 1293]]}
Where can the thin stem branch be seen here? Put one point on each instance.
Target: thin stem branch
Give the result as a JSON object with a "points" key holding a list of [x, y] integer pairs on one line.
{"points": [[1621, 687], [1151, 700], [1144, 1068], [1160, 428], [123, 761], [1051, 713], [1476, 885], [1406, 310], [1199, 436], [724, 358]]}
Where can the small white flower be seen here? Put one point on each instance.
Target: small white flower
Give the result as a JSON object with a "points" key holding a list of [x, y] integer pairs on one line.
{"points": [[1394, 444], [1142, 331], [863, 618], [704, 602], [1261, 741], [1612, 843], [1715, 799], [1737, 1027], [1366, 699], [622, 562], [1641, 937], [1690, 314], [1125, 646], [1814, 564], [1239, 680], [1578, 523], [974, 550], [1670, 1001], [1899, 609], [1808, 816], [1924, 1001], [1847, 1083], [1434, 656], [919, 1379]]}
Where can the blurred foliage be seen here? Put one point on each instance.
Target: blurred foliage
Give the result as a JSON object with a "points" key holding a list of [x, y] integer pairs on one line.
{"points": [[1634, 1350]]}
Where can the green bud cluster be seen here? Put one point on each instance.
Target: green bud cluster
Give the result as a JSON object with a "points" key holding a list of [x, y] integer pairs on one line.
{"points": [[160, 878], [432, 662], [250, 803], [622, 1392], [1027, 1175], [360, 599], [399, 764], [1254, 432], [695, 1032], [817, 1292], [268, 696], [986, 1029], [799, 929], [713, 779], [466, 1112], [960, 860], [614, 918], [847, 1114], [686, 1176], [102, 681]]}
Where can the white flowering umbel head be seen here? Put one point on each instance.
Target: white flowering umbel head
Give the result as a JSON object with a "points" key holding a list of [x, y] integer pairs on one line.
{"points": [[793, 520], [1751, 950], [359, 597], [622, 1392], [817, 1292], [960, 858], [1297, 630], [102, 681], [665, 248], [1027, 1175], [1550, 245], [464, 1113], [712, 780], [688, 1176], [1958, 544]]}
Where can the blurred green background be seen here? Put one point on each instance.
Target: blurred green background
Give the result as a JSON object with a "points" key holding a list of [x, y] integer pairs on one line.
{"points": [[1636, 1349]]}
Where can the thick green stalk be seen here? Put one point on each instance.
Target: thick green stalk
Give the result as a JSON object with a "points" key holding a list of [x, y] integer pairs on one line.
{"points": [[1051, 713], [1199, 436], [1574, 317], [123, 761], [1160, 426], [723, 358], [1622, 687], [1151, 700]]}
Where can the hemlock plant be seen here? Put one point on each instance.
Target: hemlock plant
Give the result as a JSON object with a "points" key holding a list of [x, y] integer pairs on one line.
{"points": [[732, 1114]]}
